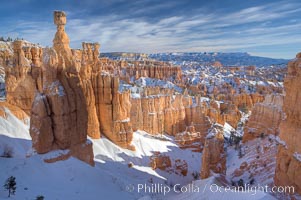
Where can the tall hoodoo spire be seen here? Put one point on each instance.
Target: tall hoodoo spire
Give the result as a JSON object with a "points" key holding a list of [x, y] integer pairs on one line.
{"points": [[61, 40]]}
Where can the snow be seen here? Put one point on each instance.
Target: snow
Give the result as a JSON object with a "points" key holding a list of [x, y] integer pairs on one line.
{"points": [[111, 176], [260, 156], [212, 133], [55, 88], [227, 130], [204, 99], [70, 179], [280, 141], [152, 82], [144, 143], [135, 96], [297, 156], [14, 134], [212, 189], [55, 154], [73, 179]]}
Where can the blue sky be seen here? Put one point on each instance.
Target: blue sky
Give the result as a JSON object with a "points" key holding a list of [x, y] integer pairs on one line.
{"points": [[260, 27]]}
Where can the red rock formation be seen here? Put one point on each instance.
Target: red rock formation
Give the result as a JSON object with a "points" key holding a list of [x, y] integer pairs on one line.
{"points": [[93, 123], [113, 110], [85, 64], [153, 69], [288, 167], [59, 118], [75, 69], [174, 115], [61, 40], [158, 114], [20, 84], [246, 101], [265, 118], [190, 139], [159, 161], [213, 156], [174, 118]]}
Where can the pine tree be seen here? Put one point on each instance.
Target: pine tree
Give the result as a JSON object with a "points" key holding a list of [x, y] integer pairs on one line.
{"points": [[40, 197], [10, 185]]}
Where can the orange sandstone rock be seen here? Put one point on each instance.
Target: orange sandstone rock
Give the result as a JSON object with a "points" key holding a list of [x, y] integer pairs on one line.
{"points": [[265, 118], [159, 161], [59, 118], [288, 167], [213, 156]]}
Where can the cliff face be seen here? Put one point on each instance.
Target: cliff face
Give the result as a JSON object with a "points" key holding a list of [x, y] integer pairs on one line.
{"points": [[158, 114], [288, 167], [173, 115], [153, 69], [113, 109], [265, 118]]}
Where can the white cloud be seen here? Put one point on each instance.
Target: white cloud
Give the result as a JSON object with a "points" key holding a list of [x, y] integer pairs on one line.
{"points": [[202, 32]]}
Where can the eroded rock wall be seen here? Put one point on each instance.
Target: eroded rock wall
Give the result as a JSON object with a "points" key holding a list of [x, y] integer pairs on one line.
{"points": [[265, 118], [288, 166]]}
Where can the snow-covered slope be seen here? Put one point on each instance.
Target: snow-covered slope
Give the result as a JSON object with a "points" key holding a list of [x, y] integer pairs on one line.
{"points": [[73, 179], [14, 135], [111, 178], [208, 189]]}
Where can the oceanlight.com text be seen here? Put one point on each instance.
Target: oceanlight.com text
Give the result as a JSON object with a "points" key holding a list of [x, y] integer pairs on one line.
{"points": [[158, 188]]}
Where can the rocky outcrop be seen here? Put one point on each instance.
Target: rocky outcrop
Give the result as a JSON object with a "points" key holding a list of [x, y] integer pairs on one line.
{"points": [[213, 156], [93, 128], [61, 40], [246, 101], [174, 115], [196, 115], [59, 114], [164, 163], [159, 161], [190, 139], [108, 111], [265, 118], [59, 117], [153, 69], [85, 62], [158, 114], [22, 79], [288, 167], [229, 113], [113, 110]]}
